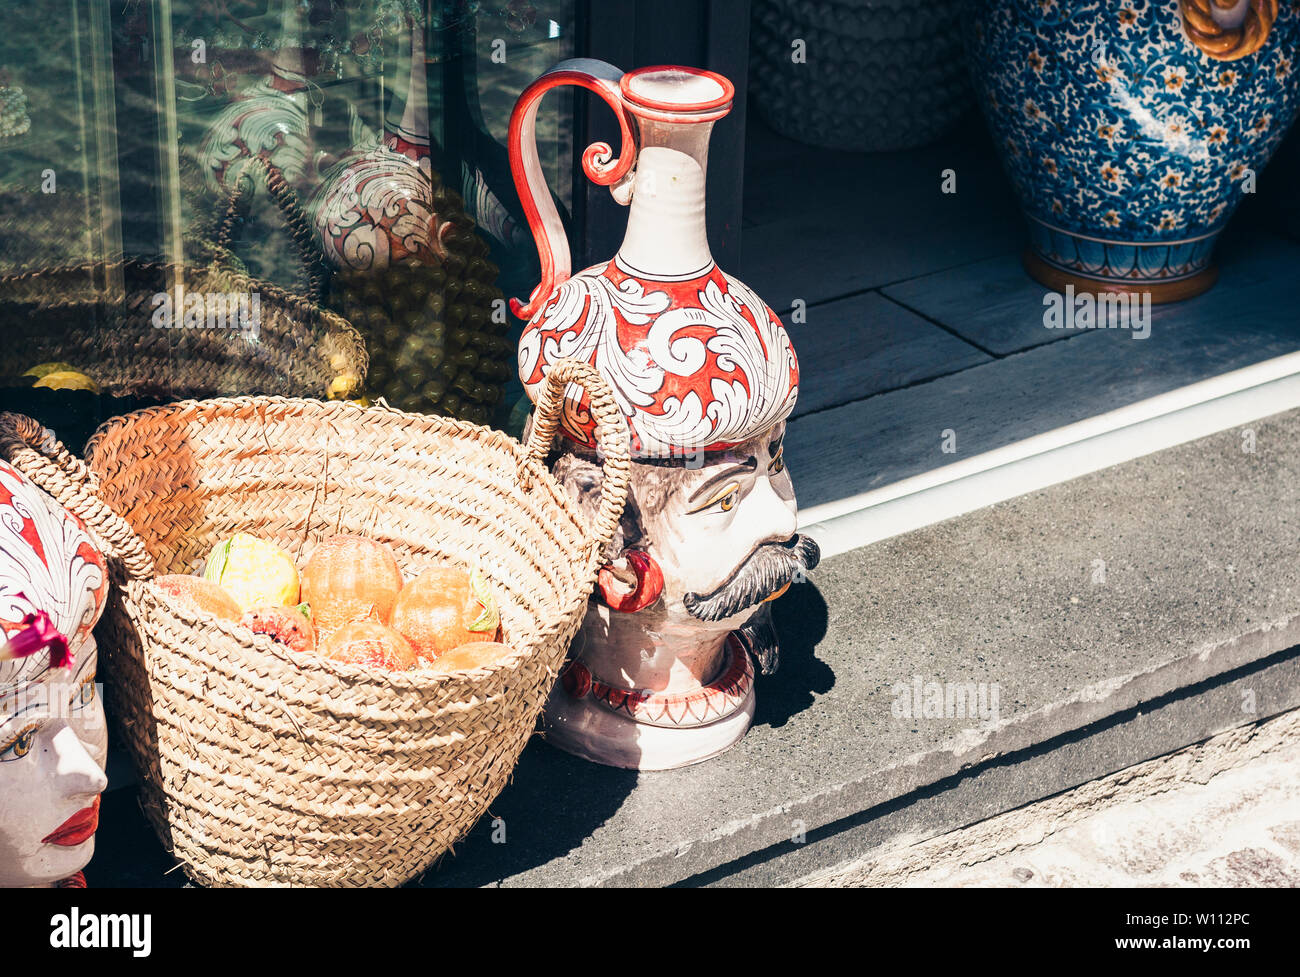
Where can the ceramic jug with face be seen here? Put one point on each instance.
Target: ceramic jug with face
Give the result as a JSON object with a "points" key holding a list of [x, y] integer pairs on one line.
{"points": [[1132, 129], [661, 672]]}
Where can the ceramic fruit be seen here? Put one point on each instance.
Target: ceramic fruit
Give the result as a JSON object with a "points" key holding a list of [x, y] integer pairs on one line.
{"points": [[289, 626], [67, 380], [253, 571], [371, 644], [705, 375], [476, 654], [350, 578], [445, 607], [209, 597], [45, 369], [1132, 129]]}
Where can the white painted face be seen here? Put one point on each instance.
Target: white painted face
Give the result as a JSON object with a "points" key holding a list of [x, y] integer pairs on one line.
{"points": [[713, 523], [53, 743]]}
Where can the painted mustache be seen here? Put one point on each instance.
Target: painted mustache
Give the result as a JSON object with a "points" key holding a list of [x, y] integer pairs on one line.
{"points": [[771, 567]]}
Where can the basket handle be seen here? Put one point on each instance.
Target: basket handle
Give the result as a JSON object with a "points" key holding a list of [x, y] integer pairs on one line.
{"points": [[284, 197], [611, 433], [24, 444]]}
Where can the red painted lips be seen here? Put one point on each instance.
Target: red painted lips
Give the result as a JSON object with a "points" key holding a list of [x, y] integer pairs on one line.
{"points": [[76, 829]]}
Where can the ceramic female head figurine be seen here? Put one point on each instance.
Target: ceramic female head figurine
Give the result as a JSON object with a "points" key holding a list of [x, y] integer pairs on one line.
{"points": [[706, 377], [53, 739]]}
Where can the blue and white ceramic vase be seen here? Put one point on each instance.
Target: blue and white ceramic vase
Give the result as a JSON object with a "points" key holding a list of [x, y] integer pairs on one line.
{"points": [[1131, 128]]}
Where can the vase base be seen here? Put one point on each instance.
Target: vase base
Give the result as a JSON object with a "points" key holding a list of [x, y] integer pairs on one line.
{"points": [[591, 731], [1057, 279]]}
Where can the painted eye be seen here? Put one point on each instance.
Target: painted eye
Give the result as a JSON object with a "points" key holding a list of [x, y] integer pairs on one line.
{"points": [[778, 464], [19, 746], [85, 693], [728, 502]]}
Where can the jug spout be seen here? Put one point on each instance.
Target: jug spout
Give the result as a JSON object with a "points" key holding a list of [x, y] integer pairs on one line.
{"points": [[675, 110]]}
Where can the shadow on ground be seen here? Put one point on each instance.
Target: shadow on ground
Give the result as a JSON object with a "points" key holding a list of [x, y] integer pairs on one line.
{"points": [[554, 802], [557, 801], [800, 618]]}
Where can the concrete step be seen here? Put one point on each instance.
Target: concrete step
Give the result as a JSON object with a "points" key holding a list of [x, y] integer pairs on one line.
{"points": [[1224, 812]]}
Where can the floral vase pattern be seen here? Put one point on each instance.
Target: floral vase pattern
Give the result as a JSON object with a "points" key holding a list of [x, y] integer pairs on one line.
{"points": [[267, 121], [375, 206], [1131, 129], [48, 562]]}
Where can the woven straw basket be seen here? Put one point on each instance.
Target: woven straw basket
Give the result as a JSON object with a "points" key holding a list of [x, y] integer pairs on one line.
{"points": [[99, 317], [259, 769]]}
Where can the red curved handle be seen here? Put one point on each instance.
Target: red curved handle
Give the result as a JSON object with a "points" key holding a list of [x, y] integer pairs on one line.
{"points": [[597, 162]]}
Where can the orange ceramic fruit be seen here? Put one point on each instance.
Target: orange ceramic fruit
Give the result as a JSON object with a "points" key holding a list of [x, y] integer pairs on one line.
{"points": [[203, 594], [444, 608], [371, 644], [473, 655], [350, 578]]}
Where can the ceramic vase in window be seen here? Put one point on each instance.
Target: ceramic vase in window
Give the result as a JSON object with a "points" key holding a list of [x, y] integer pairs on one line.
{"points": [[859, 75], [411, 271], [375, 207], [268, 120], [662, 670], [1131, 129]]}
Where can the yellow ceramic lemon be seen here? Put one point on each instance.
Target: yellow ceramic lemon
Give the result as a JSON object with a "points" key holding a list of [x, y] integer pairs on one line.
{"points": [[67, 380], [344, 387], [42, 369], [253, 571]]}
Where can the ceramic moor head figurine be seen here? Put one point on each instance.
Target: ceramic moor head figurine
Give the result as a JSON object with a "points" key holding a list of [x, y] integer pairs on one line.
{"points": [[661, 673], [53, 739]]}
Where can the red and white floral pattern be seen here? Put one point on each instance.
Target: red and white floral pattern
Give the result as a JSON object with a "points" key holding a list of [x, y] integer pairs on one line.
{"points": [[48, 562], [268, 122], [374, 207], [695, 364]]}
